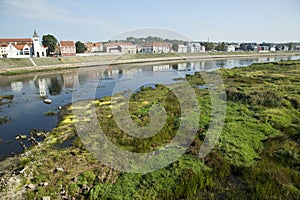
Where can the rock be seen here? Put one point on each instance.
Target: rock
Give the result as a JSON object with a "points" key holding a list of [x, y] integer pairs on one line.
{"points": [[23, 146], [21, 137], [33, 140], [30, 186], [47, 101], [23, 170], [62, 191], [59, 107], [43, 184], [58, 169], [84, 189], [40, 134], [46, 198]]}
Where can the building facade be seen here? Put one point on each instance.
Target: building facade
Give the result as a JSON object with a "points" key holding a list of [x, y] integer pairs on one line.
{"points": [[67, 48], [156, 47], [22, 47]]}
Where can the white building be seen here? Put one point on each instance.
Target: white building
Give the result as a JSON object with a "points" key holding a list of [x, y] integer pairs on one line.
{"points": [[156, 47], [128, 48], [195, 48], [22, 47], [273, 49], [38, 50], [180, 48], [230, 48], [120, 48]]}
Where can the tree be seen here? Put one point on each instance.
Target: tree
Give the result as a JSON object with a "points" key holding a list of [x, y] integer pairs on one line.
{"points": [[291, 46], [80, 47], [51, 42], [221, 47], [209, 46]]}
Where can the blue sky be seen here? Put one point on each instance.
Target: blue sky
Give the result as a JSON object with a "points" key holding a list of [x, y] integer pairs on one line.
{"points": [[94, 20]]}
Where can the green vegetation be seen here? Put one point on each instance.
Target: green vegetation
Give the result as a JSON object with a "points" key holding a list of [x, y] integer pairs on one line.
{"points": [[50, 113], [257, 156], [6, 99], [51, 43], [80, 47], [4, 120]]}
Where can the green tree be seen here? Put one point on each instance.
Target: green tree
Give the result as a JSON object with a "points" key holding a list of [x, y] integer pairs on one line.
{"points": [[80, 47], [209, 46], [51, 42], [291, 46], [221, 47]]}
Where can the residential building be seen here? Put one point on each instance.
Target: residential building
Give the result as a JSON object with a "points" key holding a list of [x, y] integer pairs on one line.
{"points": [[22, 47], [195, 48], [94, 47], [67, 48], [191, 48], [180, 48], [273, 49], [112, 48], [156, 47], [120, 47], [230, 48], [128, 48]]}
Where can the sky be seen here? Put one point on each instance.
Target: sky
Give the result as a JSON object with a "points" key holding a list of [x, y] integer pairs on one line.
{"points": [[198, 20]]}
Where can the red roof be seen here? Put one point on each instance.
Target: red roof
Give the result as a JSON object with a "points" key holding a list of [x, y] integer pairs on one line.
{"points": [[156, 44], [67, 43], [119, 44], [17, 40], [19, 46]]}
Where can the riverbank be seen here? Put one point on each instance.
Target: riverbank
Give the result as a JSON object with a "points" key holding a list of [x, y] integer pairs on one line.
{"points": [[257, 156], [10, 66]]}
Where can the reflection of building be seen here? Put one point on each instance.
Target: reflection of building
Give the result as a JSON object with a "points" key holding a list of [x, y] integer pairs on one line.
{"points": [[42, 87], [182, 66], [16, 86], [161, 68], [199, 65], [70, 80]]}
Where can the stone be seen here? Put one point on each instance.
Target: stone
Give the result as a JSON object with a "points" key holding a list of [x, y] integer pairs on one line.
{"points": [[21, 137], [43, 184], [30, 186], [59, 169], [46, 198]]}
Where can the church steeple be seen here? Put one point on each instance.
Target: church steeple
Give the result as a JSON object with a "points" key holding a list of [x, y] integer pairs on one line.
{"points": [[35, 34]]}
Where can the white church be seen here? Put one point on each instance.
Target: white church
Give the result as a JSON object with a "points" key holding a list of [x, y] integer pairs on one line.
{"points": [[22, 47]]}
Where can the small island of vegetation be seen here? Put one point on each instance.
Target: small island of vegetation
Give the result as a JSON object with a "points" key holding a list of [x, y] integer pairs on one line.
{"points": [[257, 155]]}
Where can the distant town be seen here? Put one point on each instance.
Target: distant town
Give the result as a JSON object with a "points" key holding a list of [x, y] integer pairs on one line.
{"points": [[50, 46]]}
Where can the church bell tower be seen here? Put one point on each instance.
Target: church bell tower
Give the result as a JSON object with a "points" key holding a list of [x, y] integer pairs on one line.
{"points": [[36, 45]]}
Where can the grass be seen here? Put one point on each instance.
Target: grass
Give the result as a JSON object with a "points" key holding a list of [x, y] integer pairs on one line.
{"points": [[10, 63], [257, 156]]}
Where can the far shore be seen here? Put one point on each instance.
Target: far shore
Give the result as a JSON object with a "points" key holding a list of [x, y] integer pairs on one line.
{"points": [[18, 66]]}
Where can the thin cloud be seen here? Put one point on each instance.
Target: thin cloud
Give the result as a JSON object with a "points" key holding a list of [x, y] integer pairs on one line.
{"points": [[36, 9], [46, 10]]}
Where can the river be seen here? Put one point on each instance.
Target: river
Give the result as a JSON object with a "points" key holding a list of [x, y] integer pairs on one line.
{"points": [[27, 110]]}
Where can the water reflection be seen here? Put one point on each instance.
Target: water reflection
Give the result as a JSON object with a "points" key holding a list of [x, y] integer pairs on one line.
{"points": [[26, 111]]}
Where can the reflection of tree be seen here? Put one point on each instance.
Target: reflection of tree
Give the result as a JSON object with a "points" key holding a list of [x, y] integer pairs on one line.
{"points": [[55, 86]]}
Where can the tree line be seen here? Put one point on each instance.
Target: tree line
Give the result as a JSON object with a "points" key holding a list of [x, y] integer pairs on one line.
{"points": [[53, 47]]}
